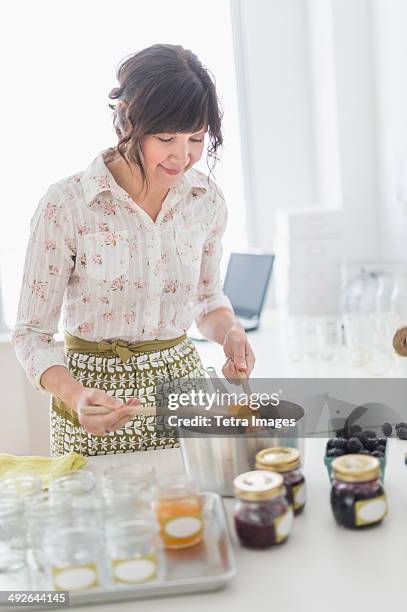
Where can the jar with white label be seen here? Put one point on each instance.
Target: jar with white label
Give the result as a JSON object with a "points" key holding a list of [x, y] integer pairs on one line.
{"points": [[134, 549], [286, 461], [178, 509], [42, 515], [75, 558], [263, 516], [358, 499]]}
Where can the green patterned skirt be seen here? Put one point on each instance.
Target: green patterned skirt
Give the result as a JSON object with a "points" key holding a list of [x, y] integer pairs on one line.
{"points": [[143, 375]]}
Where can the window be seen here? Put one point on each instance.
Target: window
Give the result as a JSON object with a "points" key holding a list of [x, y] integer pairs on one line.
{"points": [[62, 61]]}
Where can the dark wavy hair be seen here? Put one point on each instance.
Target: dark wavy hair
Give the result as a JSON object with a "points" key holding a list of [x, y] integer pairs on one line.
{"points": [[166, 90]]}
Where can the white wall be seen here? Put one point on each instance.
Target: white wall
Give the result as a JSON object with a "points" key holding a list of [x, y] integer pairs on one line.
{"points": [[275, 99], [390, 53], [308, 79]]}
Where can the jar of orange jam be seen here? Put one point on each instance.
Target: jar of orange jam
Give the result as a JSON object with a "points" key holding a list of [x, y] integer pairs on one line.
{"points": [[179, 512]]}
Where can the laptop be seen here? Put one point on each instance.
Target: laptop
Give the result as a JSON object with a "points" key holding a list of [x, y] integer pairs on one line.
{"points": [[246, 282]]}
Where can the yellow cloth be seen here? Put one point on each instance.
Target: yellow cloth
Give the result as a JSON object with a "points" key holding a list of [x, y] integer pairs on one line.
{"points": [[35, 465], [122, 349]]}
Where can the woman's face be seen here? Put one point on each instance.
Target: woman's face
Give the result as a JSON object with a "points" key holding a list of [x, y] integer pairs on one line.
{"points": [[168, 156]]}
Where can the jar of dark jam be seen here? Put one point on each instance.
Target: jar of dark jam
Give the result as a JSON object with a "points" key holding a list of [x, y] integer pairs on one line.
{"points": [[358, 499], [263, 517], [287, 462]]}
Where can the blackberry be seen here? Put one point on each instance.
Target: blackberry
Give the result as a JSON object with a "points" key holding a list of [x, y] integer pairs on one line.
{"points": [[402, 433], [360, 435], [401, 426], [377, 454], [336, 443], [335, 452], [370, 444], [342, 433], [382, 441], [354, 445], [370, 434], [380, 448], [387, 429]]}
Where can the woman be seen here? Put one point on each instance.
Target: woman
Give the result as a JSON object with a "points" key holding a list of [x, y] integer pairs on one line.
{"points": [[129, 250]]}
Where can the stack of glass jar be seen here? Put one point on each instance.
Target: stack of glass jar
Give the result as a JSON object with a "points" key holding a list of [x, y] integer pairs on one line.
{"points": [[86, 532]]}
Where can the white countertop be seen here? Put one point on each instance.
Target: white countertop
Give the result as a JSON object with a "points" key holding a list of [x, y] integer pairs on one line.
{"points": [[319, 559], [321, 566]]}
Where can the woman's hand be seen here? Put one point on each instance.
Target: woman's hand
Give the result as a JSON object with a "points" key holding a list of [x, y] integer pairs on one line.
{"points": [[102, 424], [238, 352]]}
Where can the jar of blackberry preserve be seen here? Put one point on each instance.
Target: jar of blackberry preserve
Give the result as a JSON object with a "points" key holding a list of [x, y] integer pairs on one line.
{"points": [[263, 517], [358, 499], [286, 461]]}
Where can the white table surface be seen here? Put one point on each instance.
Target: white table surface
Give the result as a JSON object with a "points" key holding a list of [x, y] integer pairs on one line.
{"points": [[319, 560]]}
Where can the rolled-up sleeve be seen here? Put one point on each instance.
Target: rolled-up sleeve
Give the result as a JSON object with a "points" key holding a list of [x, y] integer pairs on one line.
{"points": [[48, 264], [210, 293]]}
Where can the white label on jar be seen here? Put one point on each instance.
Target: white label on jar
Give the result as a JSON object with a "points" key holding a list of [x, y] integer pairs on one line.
{"points": [[370, 510], [183, 526], [75, 578], [283, 524], [300, 495], [139, 569]]}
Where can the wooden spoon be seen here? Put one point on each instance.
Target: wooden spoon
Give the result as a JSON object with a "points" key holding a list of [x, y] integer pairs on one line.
{"points": [[138, 410], [244, 381]]}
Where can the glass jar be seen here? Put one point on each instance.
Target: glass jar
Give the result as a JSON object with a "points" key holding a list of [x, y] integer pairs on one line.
{"points": [[135, 481], [23, 487], [13, 543], [287, 462], [42, 515], [75, 558], [82, 482], [263, 516], [134, 551], [357, 497], [179, 512]]}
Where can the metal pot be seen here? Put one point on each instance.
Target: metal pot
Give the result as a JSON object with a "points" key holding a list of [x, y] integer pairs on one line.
{"points": [[213, 460]]}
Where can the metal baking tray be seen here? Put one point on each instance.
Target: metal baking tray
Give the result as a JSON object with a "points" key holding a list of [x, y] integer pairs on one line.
{"points": [[208, 566]]}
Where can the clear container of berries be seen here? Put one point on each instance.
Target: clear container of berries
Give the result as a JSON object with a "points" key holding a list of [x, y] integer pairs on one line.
{"points": [[355, 440]]}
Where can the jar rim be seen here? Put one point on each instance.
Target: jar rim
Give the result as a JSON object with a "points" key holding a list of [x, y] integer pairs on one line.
{"points": [[278, 458], [258, 484], [356, 468]]}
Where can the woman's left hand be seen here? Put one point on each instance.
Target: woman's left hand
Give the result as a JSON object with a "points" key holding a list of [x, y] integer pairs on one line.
{"points": [[239, 354]]}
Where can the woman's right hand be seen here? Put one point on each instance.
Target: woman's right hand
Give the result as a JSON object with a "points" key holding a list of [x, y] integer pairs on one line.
{"points": [[102, 424]]}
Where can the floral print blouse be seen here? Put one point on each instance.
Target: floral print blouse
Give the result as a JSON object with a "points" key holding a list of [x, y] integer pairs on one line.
{"points": [[99, 260]]}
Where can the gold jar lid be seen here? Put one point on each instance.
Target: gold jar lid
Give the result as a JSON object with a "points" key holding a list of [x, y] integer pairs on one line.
{"points": [[356, 468], [279, 459], [258, 484]]}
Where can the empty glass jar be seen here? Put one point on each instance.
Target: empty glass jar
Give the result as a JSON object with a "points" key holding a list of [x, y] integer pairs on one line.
{"points": [[75, 558], [13, 543], [42, 515], [134, 551], [82, 482]]}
